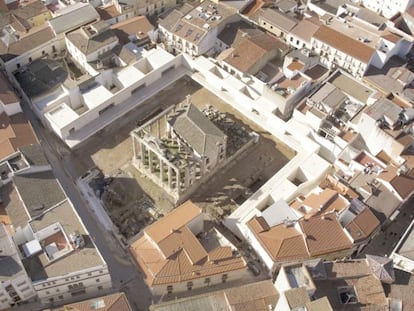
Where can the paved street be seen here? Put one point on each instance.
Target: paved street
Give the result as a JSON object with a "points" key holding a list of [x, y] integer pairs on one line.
{"points": [[124, 273]]}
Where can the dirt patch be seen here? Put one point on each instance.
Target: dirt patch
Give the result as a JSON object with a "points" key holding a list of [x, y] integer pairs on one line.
{"points": [[231, 186]]}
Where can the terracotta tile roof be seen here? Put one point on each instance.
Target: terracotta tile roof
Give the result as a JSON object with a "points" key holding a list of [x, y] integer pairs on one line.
{"points": [[15, 132], [260, 293], [30, 41], [319, 232], [370, 291], [170, 254], [182, 238], [334, 184], [389, 173], [179, 217], [319, 200], [277, 19], [297, 297], [345, 44], [383, 157], [250, 51], [259, 224], [256, 296], [326, 201], [281, 242], [295, 65], [138, 25], [321, 304], [178, 267], [114, 302], [363, 225], [108, 12], [236, 32], [404, 184], [88, 44], [305, 29], [7, 95], [253, 7], [346, 269], [394, 38]]}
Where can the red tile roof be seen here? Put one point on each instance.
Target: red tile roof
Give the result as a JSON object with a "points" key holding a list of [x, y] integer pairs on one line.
{"points": [[15, 132], [345, 44], [324, 235]]}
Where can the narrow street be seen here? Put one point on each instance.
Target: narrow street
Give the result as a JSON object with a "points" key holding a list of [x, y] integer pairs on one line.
{"points": [[124, 273]]}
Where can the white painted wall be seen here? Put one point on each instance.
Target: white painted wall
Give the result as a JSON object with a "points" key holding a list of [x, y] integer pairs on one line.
{"points": [[53, 288]]}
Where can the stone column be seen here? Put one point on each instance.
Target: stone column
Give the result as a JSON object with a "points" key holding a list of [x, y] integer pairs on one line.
{"points": [[169, 177], [150, 161], [178, 181], [161, 171], [142, 151]]}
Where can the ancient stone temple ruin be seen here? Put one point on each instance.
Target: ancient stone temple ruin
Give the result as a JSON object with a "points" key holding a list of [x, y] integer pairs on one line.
{"points": [[178, 149]]}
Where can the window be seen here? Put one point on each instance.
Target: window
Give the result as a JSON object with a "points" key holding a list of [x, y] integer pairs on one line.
{"points": [[24, 289], [18, 65], [190, 285], [207, 281], [51, 300], [89, 274], [224, 278], [47, 292], [30, 59], [100, 287], [169, 289], [61, 297], [97, 280], [79, 292]]}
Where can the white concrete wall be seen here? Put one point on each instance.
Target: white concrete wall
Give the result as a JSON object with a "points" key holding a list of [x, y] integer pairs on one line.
{"points": [[12, 109], [377, 139], [22, 286], [331, 56], [57, 288], [282, 283], [282, 304], [197, 224], [201, 282], [38, 52]]}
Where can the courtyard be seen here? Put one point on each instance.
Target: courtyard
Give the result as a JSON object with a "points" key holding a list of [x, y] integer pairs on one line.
{"points": [[133, 201]]}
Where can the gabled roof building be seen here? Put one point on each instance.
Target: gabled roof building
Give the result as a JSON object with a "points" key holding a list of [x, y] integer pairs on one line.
{"points": [[174, 259]]}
